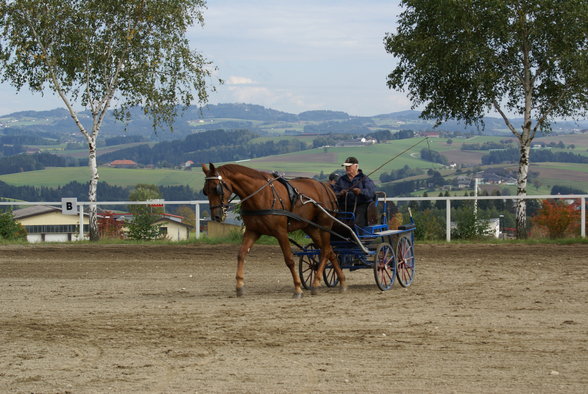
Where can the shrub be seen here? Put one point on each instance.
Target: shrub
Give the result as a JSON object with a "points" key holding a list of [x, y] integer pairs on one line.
{"points": [[143, 227], [429, 225], [468, 226], [557, 218], [10, 229]]}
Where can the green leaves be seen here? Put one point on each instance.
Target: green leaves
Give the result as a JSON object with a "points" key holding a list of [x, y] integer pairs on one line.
{"points": [[132, 51], [142, 226], [460, 58], [10, 229]]}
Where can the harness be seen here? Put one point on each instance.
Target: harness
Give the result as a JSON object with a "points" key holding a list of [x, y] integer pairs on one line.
{"points": [[293, 195], [292, 192]]}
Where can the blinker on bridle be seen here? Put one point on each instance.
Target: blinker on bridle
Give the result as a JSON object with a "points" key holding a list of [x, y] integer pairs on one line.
{"points": [[219, 186], [219, 190]]}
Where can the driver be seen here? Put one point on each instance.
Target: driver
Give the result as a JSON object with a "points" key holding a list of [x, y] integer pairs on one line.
{"points": [[355, 191]]}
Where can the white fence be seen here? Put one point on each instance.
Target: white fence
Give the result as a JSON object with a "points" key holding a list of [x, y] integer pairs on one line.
{"points": [[581, 197], [197, 204]]}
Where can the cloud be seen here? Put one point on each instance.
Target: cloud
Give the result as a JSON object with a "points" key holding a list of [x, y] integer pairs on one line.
{"points": [[306, 27], [303, 55], [234, 80]]}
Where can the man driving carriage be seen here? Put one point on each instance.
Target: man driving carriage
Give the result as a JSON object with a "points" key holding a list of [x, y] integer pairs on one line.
{"points": [[355, 191]]}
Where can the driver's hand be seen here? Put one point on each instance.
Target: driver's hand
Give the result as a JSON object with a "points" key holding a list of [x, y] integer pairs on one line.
{"points": [[343, 192], [356, 191]]}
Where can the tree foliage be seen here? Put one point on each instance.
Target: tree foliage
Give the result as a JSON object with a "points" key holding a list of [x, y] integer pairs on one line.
{"points": [[558, 217], [403, 172], [142, 226], [542, 155], [434, 156], [90, 50], [105, 53], [10, 229], [462, 59]]}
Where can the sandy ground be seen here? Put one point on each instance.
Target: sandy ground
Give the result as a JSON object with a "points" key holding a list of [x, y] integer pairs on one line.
{"points": [[162, 319]]}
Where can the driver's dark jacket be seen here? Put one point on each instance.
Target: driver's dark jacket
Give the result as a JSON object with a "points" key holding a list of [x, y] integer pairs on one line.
{"points": [[363, 182]]}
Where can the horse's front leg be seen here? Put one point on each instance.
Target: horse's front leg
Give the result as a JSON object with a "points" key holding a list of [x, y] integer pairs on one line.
{"points": [[289, 260], [249, 239]]}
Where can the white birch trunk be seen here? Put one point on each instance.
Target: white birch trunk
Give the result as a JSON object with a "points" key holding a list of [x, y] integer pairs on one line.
{"points": [[521, 207], [92, 188]]}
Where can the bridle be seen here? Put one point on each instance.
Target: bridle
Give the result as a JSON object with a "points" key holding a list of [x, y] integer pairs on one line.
{"points": [[220, 191]]}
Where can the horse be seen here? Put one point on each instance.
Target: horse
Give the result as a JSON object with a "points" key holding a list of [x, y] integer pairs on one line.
{"points": [[270, 207]]}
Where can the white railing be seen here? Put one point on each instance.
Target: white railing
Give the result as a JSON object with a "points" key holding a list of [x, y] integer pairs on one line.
{"points": [[581, 197], [198, 203]]}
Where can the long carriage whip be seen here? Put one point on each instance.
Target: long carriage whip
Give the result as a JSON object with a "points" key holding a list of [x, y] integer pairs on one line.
{"points": [[401, 153]]}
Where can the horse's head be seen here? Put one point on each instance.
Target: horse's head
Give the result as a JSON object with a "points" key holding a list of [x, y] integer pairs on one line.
{"points": [[217, 191]]}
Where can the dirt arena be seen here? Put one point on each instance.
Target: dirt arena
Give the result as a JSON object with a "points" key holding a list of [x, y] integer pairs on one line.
{"points": [[163, 319]]}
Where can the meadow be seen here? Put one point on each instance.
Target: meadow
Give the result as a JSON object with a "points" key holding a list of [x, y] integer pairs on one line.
{"points": [[328, 159], [303, 163]]}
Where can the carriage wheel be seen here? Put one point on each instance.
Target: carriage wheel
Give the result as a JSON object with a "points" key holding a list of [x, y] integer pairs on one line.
{"points": [[384, 267], [330, 276], [405, 261], [307, 267]]}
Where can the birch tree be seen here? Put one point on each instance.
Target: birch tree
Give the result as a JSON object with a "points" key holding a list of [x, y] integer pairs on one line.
{"points": [[105, 54], [519, 58]]}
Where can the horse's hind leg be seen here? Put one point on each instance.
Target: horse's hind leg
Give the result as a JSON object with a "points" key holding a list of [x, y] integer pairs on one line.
{"points": [[249, 239], [289, 259]]}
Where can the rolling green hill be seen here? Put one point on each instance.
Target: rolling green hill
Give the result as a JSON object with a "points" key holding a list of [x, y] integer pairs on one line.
{"points": [[328, 159], [304, 163], [59, 176]]}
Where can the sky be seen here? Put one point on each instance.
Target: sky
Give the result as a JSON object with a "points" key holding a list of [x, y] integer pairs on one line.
{"points": [[292, 56]]}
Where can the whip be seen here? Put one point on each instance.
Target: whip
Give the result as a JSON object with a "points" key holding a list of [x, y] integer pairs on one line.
{"points": [[401, 153]]}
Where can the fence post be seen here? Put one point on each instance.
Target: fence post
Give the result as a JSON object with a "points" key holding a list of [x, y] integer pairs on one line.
{"points": [[448, 220], [583, 218], [81, 208], [197, 217]]}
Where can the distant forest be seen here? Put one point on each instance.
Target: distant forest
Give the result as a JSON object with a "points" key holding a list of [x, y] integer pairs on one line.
{"points": [[37, 161], [537, 155], [208, 146]]}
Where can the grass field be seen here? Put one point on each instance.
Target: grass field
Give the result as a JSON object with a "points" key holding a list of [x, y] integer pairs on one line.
{"points": [[303, 163], [59, 176], [327, 160], [370, 157]]}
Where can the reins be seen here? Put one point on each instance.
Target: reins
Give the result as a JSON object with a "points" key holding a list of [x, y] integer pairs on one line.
{"points": [[281, 212], [224, 185]]}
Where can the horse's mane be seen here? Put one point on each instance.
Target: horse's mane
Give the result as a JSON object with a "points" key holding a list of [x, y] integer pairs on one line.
{"points": [[236, 168]]}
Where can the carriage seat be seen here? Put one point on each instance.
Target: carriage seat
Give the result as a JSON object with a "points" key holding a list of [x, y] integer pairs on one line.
{"points": [[372, 214], [364, 215]]}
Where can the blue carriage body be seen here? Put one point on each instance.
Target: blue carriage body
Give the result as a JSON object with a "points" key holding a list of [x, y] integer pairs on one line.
{"points": [[389, 252]]}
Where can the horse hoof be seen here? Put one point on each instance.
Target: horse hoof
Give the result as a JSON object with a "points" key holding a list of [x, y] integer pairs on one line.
{"points": [[314, 291], [240, 292], [297, 296], [343, 289]]}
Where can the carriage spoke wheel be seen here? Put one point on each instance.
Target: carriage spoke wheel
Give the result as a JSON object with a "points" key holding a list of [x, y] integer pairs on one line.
{"points": [[405, 265], [384, 267], [330, 276], [307, 266]]}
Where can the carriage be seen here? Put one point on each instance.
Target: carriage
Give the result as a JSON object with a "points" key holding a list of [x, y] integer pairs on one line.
{"points": [[388, 252], [275, 206]]}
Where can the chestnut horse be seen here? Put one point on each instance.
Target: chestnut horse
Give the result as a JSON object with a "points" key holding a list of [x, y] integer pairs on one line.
{"points": [[267, 208]]}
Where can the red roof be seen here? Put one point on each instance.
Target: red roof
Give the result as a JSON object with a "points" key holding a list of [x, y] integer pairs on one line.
{"points": [[123, 163]]}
